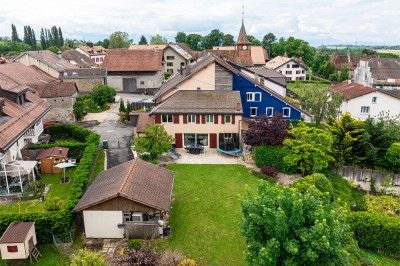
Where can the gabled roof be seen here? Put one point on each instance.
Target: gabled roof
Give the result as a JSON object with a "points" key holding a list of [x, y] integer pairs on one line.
{"points": [[201, 102], [180, 51], [144, 120], [147, 46], [136, 180], [242, 58], [25, 75], [48, 58], [16, 233], [351, 60], [133, 60], [384, 68], [393, 93], [78, 59], [53, 152], [352, 90], [20, 118], [278, 61], [258, 54], [56, 89], [77, 73], [95, 50]]}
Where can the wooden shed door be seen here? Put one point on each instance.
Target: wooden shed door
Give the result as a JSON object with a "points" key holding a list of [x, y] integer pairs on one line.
{"points": [[213, 140], [178, 140], [31, 244], [129, 84]]}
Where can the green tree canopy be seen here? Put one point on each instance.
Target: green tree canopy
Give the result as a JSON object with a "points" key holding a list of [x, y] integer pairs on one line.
{"points": [[14, 34], [86, 257], [158, 39], [194, 41], [119, 39], [102, 94], [347, 134], [294, 47], [392, 156], [309, 149], [321, 103], [104, 43], [344, 73], [155, 140], [180, 37], [267, 42], [9, 47], [254, 41], [143, 40], [285, 227], [228, 40], [214, 38]]}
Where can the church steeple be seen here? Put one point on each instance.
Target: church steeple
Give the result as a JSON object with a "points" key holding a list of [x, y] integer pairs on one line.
{"points": [[243, 43]]}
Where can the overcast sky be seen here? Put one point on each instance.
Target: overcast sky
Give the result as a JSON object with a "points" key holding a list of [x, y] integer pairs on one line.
{"points": [[315, 21]]}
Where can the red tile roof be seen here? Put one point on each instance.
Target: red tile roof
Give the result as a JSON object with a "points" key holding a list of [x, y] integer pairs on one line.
{"points": [[53, 152], [16, 233], [352, 90], [136, 180], [24, 75], [21, 119], [78, 59], [48, 58], [133, 60]]}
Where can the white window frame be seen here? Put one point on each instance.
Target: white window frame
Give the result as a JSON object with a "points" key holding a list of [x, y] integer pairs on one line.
{"points": [[209, 119], [251, 111], [283, 111], [272, 111], [230, 119], [365, 108], [374, 99], [165, 120], [191, 119], [251, 96]]}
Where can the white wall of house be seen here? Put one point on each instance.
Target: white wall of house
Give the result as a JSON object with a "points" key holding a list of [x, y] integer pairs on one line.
{"points": [[173, 60], [103, 224], [23, 248], [292, 72], [281, 90], [383, 102], [142, 81], [362, 74]]}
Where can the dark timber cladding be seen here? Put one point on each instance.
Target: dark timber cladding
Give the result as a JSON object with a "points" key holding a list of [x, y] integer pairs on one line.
{"points": [[223, 78]]}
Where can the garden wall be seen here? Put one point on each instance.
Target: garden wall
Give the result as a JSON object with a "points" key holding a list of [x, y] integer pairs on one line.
{"points": [[363, 177]]}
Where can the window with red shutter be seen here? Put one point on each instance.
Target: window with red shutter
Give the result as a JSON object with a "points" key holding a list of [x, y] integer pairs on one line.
{"points": [[203, 119], [185, 119], [176, 119], [157, 119], [215, 119], [197, 119], [12, 249], [222, 119], [233, 119]]}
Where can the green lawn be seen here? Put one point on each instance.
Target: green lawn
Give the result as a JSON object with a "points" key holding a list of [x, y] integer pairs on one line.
{"points": [[378, 260], [61, 191], [206, 212], [299, 87]]}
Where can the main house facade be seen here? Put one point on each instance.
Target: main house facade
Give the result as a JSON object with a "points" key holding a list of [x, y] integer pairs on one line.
{"points": [[292, 68]]}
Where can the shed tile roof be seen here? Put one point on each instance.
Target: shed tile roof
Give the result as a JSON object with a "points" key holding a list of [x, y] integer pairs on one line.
{"points": [[78, 59], [21, 119], [384, 68], [135, 180], [352, 90], [147, 46], [242, 58], [201, 102], [258, 54], [53, 152], [49, 58], [16, 233], [133, 60], [55, 89], [393, 93]]}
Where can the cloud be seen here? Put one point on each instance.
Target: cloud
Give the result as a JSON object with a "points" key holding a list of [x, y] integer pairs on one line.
{"points": [[368, 21]]}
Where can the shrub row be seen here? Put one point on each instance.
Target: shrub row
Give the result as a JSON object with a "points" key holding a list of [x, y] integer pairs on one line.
{"points": [[272, 156], [377, 232], [59, 222], [264, 177], [62, 131]]}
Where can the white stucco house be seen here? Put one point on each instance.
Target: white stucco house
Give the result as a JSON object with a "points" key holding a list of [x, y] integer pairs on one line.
{"points": [[292, 68], [363, 102]]}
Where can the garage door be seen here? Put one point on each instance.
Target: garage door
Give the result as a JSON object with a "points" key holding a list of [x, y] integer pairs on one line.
{"points": [[107, 228], [129, 84]]}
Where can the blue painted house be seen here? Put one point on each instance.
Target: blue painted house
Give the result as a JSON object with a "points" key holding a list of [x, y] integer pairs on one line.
{"points": [[258, 100]]}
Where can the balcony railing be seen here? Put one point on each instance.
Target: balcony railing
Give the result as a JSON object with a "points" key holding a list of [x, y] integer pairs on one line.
{"points": [[35, 131]]}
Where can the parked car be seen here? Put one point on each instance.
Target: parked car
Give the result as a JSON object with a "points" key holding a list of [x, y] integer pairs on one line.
{"points": [[49, 123]]}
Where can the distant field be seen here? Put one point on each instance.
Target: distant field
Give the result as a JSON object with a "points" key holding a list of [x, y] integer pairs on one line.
{"points": [[396, 52]]}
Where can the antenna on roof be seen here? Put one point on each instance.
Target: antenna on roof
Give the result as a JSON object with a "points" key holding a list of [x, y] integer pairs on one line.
{"points": [[243, 12]]}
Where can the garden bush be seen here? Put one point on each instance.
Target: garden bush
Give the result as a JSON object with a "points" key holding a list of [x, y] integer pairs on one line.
{"points": [[376, 232], [318, 181], [272, 156], [87, 258], [386, 204], [264, 177], [135, 244], [269, 171]]}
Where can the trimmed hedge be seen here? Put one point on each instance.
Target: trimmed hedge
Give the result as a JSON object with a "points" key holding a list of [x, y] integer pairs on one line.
{"points": [[377, 232], [272, 156], [59, 222], [75, 149]]}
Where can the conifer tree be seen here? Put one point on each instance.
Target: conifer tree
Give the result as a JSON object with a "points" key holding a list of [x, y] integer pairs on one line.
{"points": [[60, 36], [43, 41], [14, 34]]}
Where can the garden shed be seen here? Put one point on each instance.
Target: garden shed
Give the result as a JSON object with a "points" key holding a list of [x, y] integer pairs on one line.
{"points": [[50, 157], [19, 242], [131, 200]]}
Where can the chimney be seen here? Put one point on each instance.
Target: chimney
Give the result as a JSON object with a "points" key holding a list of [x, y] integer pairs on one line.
{"points": [[238, 107], [60, 151]]}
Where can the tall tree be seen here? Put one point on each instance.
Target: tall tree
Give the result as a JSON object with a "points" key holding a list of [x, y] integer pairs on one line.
{"points": [[321, 103], [294, 47], [309, 149], [254, 41], [180, 37], [14, 34], [60, 37], [344, 73], [267, 42], [43, 41], [143, 40], [119, 39], [158, 39], [283, 226], [56, 39], [213, 39], [228, 40], [194, 41], [155, 140]]}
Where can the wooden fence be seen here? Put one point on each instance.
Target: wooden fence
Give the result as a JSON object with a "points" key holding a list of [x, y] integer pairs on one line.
{"points": [[141, 230], [363, 177]]}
